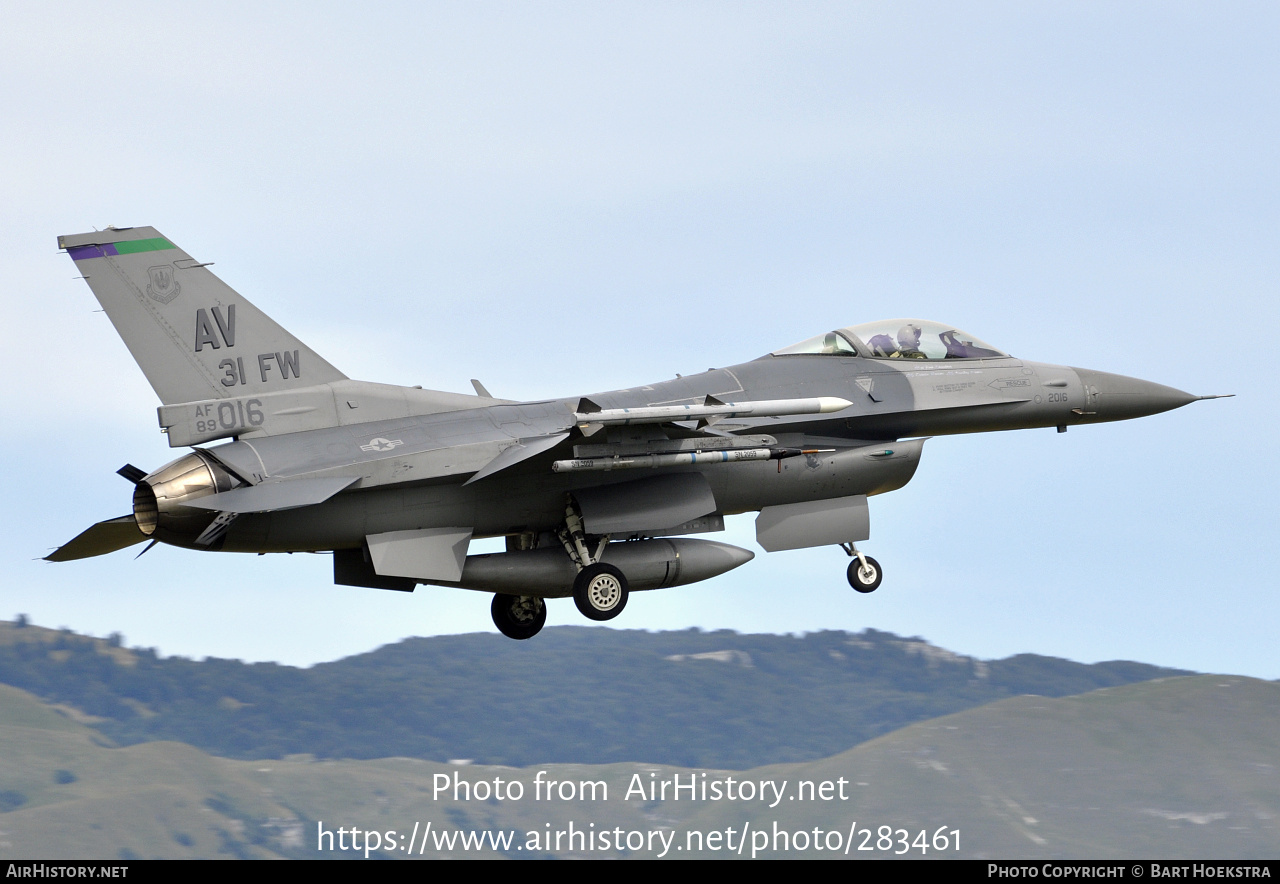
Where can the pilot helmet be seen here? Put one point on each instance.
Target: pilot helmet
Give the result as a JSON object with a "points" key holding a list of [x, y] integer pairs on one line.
{"points": [[909, 336]]}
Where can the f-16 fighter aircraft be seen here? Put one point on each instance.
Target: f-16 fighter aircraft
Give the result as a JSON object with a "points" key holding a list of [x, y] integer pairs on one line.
{"points": [[596, 495]]}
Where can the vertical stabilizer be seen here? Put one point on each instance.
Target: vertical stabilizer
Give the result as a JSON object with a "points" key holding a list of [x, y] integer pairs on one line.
{"points": [[191, 334]]}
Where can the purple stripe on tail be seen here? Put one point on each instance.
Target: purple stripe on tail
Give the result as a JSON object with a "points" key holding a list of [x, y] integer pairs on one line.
{"points": [[82, 253]]}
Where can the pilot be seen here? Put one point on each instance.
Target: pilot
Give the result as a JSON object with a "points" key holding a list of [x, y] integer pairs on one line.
{"points": [[909, 343]]}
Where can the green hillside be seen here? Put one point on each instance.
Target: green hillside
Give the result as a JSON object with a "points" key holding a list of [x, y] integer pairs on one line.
{"points": [[578, 694], [1175, 768]]}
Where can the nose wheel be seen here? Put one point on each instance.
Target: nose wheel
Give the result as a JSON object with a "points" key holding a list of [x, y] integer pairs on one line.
{"points": [[864, 572], [865, 577]]}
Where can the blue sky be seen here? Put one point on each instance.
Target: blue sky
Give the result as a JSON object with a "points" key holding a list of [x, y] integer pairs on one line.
{"points": [[569, 197]]}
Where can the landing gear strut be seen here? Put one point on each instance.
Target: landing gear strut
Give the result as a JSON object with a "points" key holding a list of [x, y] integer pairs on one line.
{"points": [[518, 616], [864, 572], [599, 590]]}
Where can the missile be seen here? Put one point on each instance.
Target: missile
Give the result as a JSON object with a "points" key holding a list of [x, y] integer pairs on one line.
{"points": [[678, 459], [588, 414]]}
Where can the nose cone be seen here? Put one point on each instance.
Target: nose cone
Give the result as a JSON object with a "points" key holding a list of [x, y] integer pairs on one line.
{"points": [[1114, 397]]}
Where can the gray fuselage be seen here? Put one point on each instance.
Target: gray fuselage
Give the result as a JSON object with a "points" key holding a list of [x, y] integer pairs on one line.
{"points": [[891, 399]]}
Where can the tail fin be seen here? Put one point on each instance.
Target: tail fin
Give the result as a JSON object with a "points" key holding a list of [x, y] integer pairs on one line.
{"points": [[190, 333]]}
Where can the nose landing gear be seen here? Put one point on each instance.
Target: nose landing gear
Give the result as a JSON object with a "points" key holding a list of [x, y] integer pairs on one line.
{"points": [[864, 572]]}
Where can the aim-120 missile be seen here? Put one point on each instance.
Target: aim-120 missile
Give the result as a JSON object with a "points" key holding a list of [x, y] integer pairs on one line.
{"points": [[590, 415], [684, 458]]}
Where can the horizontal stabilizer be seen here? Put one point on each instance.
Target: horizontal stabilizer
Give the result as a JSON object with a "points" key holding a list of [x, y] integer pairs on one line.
{"points": [[270, 496], [102, 538]]}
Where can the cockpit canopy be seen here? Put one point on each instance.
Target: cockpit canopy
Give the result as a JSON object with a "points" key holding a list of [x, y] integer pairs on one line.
{"points": [[895, 339]]}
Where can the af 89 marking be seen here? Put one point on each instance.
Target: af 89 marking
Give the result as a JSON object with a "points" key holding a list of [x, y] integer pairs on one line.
{"points": [[231, 414]]}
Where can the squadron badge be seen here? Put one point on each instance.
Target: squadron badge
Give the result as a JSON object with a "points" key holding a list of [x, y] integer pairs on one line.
{"points": [[163, 286]]}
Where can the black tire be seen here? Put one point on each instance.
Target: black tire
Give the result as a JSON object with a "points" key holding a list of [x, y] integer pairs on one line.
{"points": [[859, 581], [600, 592], [518, 617]]}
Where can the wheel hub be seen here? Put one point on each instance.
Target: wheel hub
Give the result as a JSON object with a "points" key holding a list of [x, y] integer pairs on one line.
{"points": [[525, 610], [604, 592]]}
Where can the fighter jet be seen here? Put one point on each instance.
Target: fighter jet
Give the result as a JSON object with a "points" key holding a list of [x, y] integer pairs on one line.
{"points": [[597, 495]]}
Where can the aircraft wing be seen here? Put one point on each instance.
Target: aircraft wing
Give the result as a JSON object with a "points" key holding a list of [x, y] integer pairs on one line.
{"points": [[479, 441]]}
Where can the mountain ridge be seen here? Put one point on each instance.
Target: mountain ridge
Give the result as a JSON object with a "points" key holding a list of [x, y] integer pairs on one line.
{"points": [[580, 694]]}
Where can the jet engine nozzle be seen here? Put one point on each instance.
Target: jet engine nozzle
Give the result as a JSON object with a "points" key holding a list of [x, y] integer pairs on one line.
{"points": [[159, 498]]}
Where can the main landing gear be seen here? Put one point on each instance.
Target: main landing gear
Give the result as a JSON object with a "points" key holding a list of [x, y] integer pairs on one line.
{"points": [[518, 616], [599, 590], [864, 572]]}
